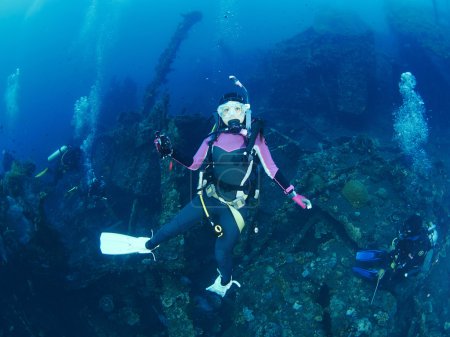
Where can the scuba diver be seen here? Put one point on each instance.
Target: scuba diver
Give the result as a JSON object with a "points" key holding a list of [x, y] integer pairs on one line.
{"points": [[226, 161], [69, 159], [96, 192], [65, 164], [411, 253]]}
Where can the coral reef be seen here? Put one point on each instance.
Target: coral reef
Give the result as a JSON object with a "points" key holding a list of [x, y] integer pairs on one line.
{"points": [[295, 271], [356, 193], [17, 178], [20, 214]]}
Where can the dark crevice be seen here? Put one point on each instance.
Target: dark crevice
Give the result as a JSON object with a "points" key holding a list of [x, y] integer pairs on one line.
{"points": [[323, 298]]}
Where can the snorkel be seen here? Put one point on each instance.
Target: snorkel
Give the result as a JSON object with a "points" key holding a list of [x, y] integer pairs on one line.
{"points": [[248, 113]]}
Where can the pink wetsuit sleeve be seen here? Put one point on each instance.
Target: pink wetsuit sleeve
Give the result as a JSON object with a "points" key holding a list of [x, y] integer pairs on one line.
{"points": [[265, 157], [200, 155], [269, 165]]}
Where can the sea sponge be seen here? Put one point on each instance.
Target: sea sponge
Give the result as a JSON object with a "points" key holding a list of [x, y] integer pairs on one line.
{"points": [[15, 179], [356, 193]]}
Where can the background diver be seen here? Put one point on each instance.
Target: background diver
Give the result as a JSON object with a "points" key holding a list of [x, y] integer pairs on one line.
{"points": [[411, 253], [226, 159], [65, 159]]}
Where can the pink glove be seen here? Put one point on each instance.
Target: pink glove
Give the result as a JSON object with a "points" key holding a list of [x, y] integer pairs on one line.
{"points": [[302, 201]]}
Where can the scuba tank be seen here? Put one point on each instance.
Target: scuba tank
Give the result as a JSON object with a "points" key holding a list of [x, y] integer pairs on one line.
{"points": [[63, 149]]}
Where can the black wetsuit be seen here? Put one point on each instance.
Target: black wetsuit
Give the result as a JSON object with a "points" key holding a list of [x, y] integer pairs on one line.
{"points": [[409, 254], [230, 175], [190, 215]]}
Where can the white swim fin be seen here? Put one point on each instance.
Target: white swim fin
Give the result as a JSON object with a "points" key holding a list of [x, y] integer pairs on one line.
{"points": [[119, 244]]}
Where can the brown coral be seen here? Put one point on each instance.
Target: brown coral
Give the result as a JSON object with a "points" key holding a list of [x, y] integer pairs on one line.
{"points": [[356, 193]]}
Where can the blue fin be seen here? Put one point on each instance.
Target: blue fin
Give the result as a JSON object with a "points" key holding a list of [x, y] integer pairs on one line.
{"points": [[370, 255], [371, 274]]}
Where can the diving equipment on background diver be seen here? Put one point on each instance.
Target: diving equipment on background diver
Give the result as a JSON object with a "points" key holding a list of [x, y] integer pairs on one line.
{"points": [[371, 255], [369, 274], [40, 174], [59, 152], [63, 149], [432, 233], [380, 275]]}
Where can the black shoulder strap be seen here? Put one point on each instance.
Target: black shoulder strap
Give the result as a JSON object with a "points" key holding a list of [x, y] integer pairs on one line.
{"points": [[208, 158]]}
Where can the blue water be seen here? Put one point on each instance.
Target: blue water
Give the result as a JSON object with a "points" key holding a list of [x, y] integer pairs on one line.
{"points": [[62, 48]]}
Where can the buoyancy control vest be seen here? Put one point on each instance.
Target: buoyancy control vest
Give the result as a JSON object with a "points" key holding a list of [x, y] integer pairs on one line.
{"points": [[234, 175]]}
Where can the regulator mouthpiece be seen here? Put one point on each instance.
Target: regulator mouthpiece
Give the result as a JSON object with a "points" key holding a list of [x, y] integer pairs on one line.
{"points": [[234, 126]]}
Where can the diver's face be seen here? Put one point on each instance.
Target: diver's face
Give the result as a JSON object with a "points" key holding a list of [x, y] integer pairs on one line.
{"points": [[231, 110]]}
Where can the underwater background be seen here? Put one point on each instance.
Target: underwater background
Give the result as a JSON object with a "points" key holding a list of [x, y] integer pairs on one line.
{"points": [[368, 145]]}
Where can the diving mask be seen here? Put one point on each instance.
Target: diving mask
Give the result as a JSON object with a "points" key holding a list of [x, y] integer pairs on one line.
{"points": [[232, 110]]}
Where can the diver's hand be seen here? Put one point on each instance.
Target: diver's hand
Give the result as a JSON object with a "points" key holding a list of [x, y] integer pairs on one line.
{"points": [[163, 145], [302, 201]]}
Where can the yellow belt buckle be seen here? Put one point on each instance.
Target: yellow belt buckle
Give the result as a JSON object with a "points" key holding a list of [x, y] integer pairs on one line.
{"points": [[210, 190], [238, 203]]}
